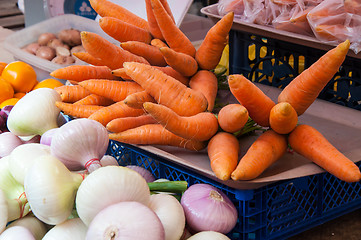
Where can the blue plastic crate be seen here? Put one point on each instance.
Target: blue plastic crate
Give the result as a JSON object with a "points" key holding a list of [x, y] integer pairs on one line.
{"points": [[276, 211], [275, 62]]}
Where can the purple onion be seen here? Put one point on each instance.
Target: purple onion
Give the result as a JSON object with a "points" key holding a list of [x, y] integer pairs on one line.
{"points": [[146, 174], [47, 136]]}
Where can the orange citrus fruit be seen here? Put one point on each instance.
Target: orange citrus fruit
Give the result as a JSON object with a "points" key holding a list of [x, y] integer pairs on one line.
{"points": [[19, 95], [6, 90], [20, 75], [10, 101], [2, 66], [48, 83]]}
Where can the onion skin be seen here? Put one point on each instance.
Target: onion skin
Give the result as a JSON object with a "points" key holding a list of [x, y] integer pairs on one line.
{"points": [[146, 174], [8, 142], [207, 235], [208, 209]]}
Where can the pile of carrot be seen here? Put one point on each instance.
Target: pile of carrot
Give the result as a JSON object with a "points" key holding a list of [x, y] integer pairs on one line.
{"points": [[157, 88]]}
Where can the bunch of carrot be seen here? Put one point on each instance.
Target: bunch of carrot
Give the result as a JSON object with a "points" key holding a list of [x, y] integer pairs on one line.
{"points": [[156, 88]]}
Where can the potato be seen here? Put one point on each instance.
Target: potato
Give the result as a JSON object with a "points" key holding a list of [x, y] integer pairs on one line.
{"points": [[44, 38], [63, 60], [76, 49], [46, 52], [62, 51], [70, 37], [54, 43], [32, 47]]}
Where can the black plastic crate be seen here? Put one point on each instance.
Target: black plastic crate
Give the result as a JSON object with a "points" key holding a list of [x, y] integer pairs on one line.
{"points": [[275, 62], [276, 211]]}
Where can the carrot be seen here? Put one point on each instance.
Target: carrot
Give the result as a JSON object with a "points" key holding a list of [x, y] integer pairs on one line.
{"points": [[156, 42], [72, 93], [77, 110], [114, 90], [86, 57], [94, 99], [233, 117], [116, 110], [210, 51], [258, 104], [173, 36], [303, 90], [107, 8], [136, 100], [112, 55], [207, 83], [80, 73], [152, 22], [266, 150], [223, 150], [175, 74], [310, 143], [201, 126], [120, 72], [167, 90], [155, 134], [125, 123], [149, 52], [182, 63], [123, 31], [283, 118]]}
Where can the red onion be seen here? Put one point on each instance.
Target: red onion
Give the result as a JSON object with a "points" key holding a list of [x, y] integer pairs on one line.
{"points": [[146, 174], [127, 221], [47, 136], [208, 209], [8, 142]]}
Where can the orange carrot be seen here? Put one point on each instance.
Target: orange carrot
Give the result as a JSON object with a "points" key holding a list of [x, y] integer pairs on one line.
{"points": [[205, 82], [223, 150], [266, 150], [303, 90], [114, 90], [210, 51], [72, 93], [201, 126], [120, 72], [232, 117], [258, 104], [107, 8], [166, 90], [77, 110], [156, 42], [152, 22], [80, 73], [155, 134], [86, 57], [173, 36], [310, 143], [94, 99], [283, 118], [136, 100], [125, 123], [116, 110], [149, 52], [123, 31], [182, 63], [112, 55]]}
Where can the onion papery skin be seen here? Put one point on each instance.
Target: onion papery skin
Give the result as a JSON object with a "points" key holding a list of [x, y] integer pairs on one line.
{"points": [[109, 185], [70, 229], [146, 174], [47, 136], [126, 221], [23, 157], [80, 144], [208, 209], [8, 142], [50, 189]]}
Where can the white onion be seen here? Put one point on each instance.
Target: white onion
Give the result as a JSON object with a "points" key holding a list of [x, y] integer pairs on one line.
{"points": [[35, 226], [80, 144], [148, 176], [109, 185], [170, 213], [209, 235], [208, 209], [3, 211], [68, 230], [16, 233], [8, 142], [107, 160], [126, 221]]}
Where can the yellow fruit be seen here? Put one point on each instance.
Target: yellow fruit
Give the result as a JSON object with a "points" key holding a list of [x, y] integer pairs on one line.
{"points": [[20, 75], [48, 83], [6, 90], [10, 101]]}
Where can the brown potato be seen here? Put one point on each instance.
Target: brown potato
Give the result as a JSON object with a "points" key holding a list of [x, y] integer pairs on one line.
{"points": [[62, 51], [63, 60], [54, 43], [46, 52], [76, 49], [32, 47], [70, 37], [44, 38]]}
